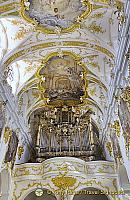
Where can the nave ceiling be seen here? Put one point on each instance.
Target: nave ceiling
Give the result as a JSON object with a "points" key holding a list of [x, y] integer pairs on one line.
{"points": [[64, 97], [85, 30]]}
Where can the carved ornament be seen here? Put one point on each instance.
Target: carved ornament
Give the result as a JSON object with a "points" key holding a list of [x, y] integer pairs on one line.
{"points": [[64, 182], [20, 152], [7, 134], [109, 148]]}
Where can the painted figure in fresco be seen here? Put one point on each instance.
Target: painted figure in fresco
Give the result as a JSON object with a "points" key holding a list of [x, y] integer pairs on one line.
{"points": [[51, 13], [64, 81]]}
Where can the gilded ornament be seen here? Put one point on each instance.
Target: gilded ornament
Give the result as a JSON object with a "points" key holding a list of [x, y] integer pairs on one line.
{"points": [[35, 94], [92, 57], [97, 15], [96, 7], [53, 44], [117, 127], [119, 5], [22, 32], [64, 182], [101, 180], [39, 192], [109, 148], [16, 22], [95, 28], [102, 1], [7, 134], [95, 64], [93, 91], [7, 7], [20, 152]]}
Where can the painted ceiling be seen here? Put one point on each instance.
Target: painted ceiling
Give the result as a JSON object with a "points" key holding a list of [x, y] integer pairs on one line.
{"points": [[35, 33]]}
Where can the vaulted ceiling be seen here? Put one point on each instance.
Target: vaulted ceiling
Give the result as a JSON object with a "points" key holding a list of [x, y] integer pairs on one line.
{"points": [[33, 32]]}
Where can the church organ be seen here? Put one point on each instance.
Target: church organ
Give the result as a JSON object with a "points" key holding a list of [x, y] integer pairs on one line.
{"points": [[65, 132]]}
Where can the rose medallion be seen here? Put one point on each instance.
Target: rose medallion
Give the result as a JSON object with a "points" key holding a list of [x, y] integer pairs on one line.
{"points": [[51, 16]]}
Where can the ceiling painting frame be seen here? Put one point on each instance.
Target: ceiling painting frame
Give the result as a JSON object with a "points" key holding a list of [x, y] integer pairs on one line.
{"points": [[41, 28], [77, 59]]}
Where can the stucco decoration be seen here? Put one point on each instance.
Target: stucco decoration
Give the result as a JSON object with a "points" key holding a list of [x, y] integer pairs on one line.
{"points": [[67, 174], [49, 14]]}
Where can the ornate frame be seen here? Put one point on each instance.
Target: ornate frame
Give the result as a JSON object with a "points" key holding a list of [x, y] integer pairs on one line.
{"points": [[78, 60], [41, 28]]}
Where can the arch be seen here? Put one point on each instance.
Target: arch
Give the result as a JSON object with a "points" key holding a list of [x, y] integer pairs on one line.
{"points": [[87, 193], [26, 194], [45, 196]]}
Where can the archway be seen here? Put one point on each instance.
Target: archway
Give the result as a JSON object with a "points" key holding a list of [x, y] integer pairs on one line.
{"points": [[45, 196]]}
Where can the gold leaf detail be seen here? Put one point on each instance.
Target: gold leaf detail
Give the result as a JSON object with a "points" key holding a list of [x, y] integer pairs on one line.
{"points": [[20, 151], [96, 28], [97, 15], [93, 91], [64, 182], [7, 134], [109, 148]]}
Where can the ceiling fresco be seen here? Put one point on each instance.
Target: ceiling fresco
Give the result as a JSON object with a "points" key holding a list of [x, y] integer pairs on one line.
{"points": [[62, 79], [48, 15]]}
